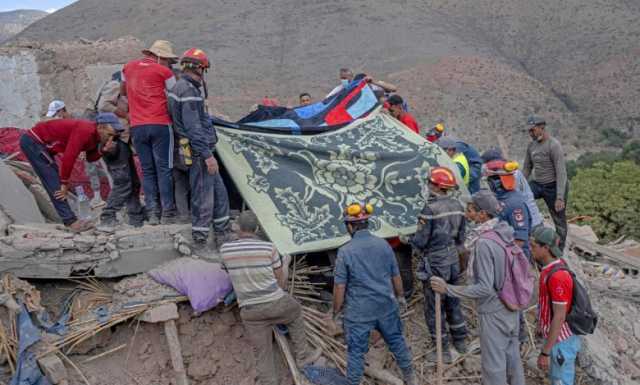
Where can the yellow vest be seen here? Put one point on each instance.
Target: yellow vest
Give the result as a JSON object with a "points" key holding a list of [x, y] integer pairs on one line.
{"points": [[462, 161]]}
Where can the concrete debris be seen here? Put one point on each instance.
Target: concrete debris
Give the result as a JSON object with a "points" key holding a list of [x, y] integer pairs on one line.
{"points": [[50, 251], [16, 201], [54, 369], [162, 313]]}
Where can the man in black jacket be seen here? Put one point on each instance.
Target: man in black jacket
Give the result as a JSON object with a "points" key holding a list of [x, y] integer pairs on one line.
{"points": [[197, 140]]}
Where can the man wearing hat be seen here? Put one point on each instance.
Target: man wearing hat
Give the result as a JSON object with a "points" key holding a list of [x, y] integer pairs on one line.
{"points": [[145, 82], [499, 326], [58, 110], [450, 145], [367, 281], [561, 346], [69, 138], [546, 170]]}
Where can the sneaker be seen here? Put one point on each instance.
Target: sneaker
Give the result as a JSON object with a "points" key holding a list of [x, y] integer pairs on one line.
{"points": [[222, 238], [97, 201], [169, 220], [460, 346], [153, 220], [310, 358], [107, 226], [80, 226]]}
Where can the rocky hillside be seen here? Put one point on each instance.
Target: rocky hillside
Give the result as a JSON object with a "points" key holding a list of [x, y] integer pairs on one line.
{"points": [[482, 65], [13, 22]]}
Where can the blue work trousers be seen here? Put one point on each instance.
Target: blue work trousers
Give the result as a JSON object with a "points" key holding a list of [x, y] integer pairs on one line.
{"points": [[126, 187], [209, 201], [450, 306], [563, 361], [357, 338], [47, 170], [154, 145], [548, 193]]}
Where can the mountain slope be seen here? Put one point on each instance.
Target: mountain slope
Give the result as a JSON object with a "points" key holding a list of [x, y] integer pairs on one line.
{"points": [[13, 22], [482, 65]]}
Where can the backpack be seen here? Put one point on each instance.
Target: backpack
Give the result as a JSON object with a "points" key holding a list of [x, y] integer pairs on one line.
{"points": [[581, 318], [519, 280]]}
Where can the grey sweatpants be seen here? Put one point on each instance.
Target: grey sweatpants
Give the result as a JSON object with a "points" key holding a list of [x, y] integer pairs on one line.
{"points": [[500, 348]]}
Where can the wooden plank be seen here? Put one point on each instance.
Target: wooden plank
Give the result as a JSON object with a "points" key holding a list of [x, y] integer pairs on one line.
{"points": [[171, 331], [605, 252]]}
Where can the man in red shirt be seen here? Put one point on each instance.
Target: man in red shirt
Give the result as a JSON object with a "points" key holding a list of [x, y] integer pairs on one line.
{"points": [[397, 111], [561, 346], [145, 83], [68, 137]]}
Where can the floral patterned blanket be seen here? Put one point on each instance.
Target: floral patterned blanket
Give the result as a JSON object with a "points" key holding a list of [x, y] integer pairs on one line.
{"points": [[298, 186]]}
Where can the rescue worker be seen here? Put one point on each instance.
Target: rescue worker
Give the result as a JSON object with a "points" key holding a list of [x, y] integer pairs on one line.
{"points": [[197, 140], [499, 326], [58, 110], [436, 132], [449, 144], [546, 170], [438, 241], [305, 99], [522, 185], [367, 281], [68, 137], [502, 181], [145, 83]]}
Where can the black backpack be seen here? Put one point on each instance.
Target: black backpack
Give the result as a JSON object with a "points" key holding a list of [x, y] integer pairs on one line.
{"points": [[582, 319]]}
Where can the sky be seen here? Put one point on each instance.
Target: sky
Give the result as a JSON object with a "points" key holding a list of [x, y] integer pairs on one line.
{"points": [[43, 5]]}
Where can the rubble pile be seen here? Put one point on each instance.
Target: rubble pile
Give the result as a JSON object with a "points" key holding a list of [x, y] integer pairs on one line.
{"points": [[50, 251]]}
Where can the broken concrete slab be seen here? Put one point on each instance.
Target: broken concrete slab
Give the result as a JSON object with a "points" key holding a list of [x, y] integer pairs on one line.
{"points": [[16, 201], [162, 313], [50, 251], [53, 368]]}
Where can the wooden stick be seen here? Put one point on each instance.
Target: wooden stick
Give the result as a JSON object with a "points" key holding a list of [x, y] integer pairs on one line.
{"points": [[104, 353], [74, 366], [439, 338], [288, 356], [175, 351]]}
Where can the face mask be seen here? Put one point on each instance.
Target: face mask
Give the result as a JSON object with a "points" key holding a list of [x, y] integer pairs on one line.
{"points": [[345, 82], [494, 184]]}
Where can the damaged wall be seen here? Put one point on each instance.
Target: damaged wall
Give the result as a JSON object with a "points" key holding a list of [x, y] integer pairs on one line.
{"points": [[33, 74]]}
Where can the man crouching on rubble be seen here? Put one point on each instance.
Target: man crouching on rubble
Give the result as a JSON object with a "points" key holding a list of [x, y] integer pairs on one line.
{"points": [[367, 274], [68, 137], [258, 279]]}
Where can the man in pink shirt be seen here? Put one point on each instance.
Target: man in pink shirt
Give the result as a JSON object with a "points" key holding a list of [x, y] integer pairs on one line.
{"points": [[145, 82]]}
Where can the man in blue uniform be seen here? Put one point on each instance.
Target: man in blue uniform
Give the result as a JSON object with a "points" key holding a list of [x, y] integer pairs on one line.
{"points": [[439, 239], [367, 281]]}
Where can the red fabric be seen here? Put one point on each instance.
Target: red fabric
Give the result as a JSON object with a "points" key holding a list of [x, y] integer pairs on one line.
{"points": [[339, 114], [269, 102], [10, 144], [408, 120], [394, 242], [558, 289], [432, 138], [146, 84], [68, 137]]}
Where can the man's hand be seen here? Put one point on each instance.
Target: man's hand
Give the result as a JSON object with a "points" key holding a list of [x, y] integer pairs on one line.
{"points": [[438, 285], [403, 305], [61, 194], [544, 362], [559, 205], [212, 165], [109, 146]]}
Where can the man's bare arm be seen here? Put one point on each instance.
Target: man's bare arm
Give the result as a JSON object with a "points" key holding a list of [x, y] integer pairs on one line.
{"points": [[338, 297]]}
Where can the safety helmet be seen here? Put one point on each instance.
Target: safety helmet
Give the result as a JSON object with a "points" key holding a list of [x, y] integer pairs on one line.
{"points": [[503, 169], [195, 57], [358, 212], [443, 178]]}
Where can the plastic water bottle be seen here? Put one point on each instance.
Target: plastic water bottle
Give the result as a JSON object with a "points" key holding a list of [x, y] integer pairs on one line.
{"points": [[84, 211]]}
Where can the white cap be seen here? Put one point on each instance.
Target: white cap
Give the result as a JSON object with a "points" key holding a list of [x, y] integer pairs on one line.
{"points": [[54, 107]]}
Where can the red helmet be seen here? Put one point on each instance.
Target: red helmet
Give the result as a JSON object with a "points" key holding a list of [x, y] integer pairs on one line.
{"points": [[195, 56], [443, 178], [503, 169], [357, 212]]}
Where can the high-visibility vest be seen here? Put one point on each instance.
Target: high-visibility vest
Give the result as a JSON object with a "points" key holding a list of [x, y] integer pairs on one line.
{"points": [[462, 160]]}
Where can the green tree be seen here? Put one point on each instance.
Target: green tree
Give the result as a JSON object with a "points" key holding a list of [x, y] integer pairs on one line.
{"points": [[610, 194]]}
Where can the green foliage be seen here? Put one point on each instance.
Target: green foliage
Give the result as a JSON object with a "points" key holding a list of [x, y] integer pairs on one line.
{"points": [[613, 137], [588, 159], [610, 194], [631, 151]]}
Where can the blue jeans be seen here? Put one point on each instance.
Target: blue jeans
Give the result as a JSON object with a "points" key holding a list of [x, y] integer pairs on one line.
{"points": [[209, 201], [154, 145], [563, 361], [450, 306], [47, 170], [357, 338]]}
